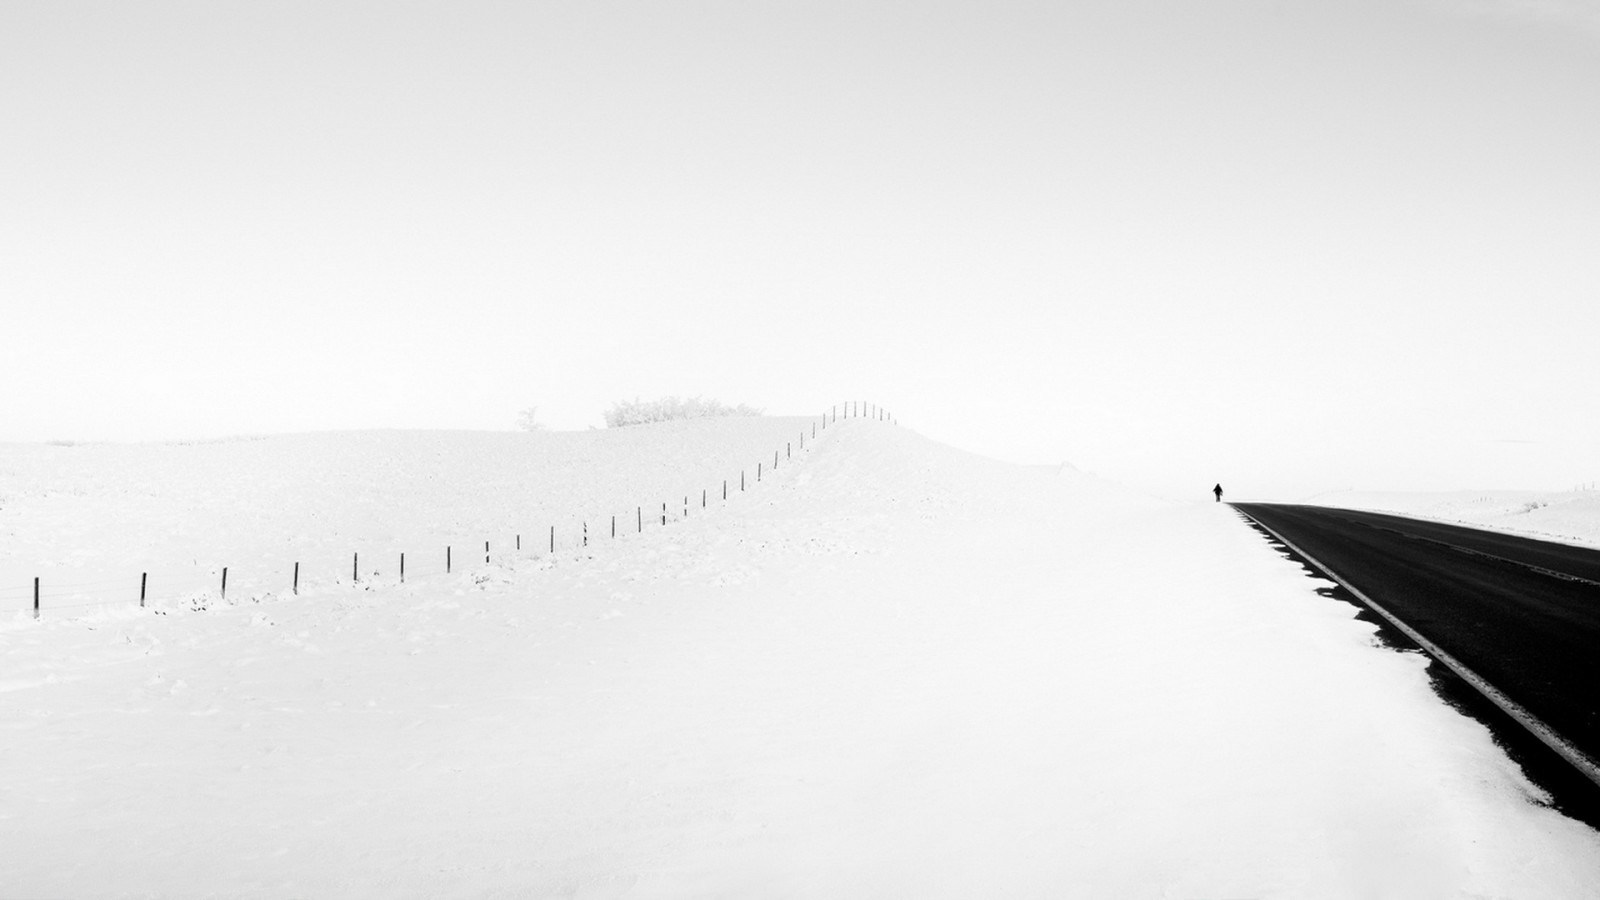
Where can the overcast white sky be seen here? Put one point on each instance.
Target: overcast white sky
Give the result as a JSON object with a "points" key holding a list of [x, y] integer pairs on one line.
{"points": [[1287, 246]]}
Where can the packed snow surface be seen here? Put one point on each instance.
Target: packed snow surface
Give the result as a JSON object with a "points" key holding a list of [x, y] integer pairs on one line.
{"points": [[889, 669], [1571, 517]]}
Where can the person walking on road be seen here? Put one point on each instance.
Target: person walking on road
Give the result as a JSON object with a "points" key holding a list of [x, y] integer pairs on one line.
{"points": [[1218, 491]]}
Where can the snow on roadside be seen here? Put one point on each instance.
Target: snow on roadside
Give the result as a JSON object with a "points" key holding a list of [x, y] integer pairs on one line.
{"points": [[896, 670], [1571, 517]]}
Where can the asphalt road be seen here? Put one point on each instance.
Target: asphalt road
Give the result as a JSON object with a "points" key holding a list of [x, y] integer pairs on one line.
{"points": [[1521, 613]]}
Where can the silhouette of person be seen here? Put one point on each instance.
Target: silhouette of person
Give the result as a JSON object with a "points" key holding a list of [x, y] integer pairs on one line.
{"points": [[1218, 491]]}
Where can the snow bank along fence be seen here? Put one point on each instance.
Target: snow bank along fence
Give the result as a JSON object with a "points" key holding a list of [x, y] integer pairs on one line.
{"points": [[107, 592]]}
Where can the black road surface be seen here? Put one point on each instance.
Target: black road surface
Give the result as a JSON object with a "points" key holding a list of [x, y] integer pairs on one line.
{"points": [[1521, 613]]}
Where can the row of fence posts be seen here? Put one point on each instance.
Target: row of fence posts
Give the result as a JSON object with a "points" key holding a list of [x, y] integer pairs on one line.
{"points": [[851, 409]]}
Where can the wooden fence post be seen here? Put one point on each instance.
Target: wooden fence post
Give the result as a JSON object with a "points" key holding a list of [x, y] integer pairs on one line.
{"points": [[224, 582], [296, 585], [142, 577], [36, 596], [355, 568], [402, 567], [447, 559]]}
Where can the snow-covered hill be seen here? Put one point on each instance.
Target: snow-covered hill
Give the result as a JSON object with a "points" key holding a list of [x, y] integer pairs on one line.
{"points": [[894, 669], [89, 519]]}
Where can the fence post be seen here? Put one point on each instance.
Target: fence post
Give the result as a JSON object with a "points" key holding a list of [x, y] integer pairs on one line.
{"points": [[686, 506], [402, 567], [663, 514], [36, 596], [702, 498], [296, 585], [355, 568], [724, 488], [613, 525], [758, 471], [741, 479], [552, 539], [142, 577], [586, 532], [519, 543], [486, 553], [447, 559], [640, 512], [224, 582]]}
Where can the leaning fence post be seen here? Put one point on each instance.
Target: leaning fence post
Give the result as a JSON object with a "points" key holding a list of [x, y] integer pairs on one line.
{"points": [[142, 577]]}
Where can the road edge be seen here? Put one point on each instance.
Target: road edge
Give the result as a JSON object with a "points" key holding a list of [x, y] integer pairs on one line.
{"points": [[1547, 736]]}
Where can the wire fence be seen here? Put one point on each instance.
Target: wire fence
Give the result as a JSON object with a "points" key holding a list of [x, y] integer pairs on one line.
{"points": [[200, 589]]}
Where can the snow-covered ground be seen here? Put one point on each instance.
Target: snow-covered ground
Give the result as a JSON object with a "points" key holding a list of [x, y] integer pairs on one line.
{"points": [[892, 669], [88, 520], [1571, 517]]}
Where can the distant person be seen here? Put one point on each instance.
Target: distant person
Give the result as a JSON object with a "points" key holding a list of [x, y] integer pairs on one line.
{"points": [[1218, 491]]}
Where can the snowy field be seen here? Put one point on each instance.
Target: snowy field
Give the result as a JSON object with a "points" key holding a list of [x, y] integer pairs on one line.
{"points": [[1571, 517], [889, 669]]}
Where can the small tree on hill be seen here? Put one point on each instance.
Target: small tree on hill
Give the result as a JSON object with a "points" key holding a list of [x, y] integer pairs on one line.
{"points": [[528, 419]]}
